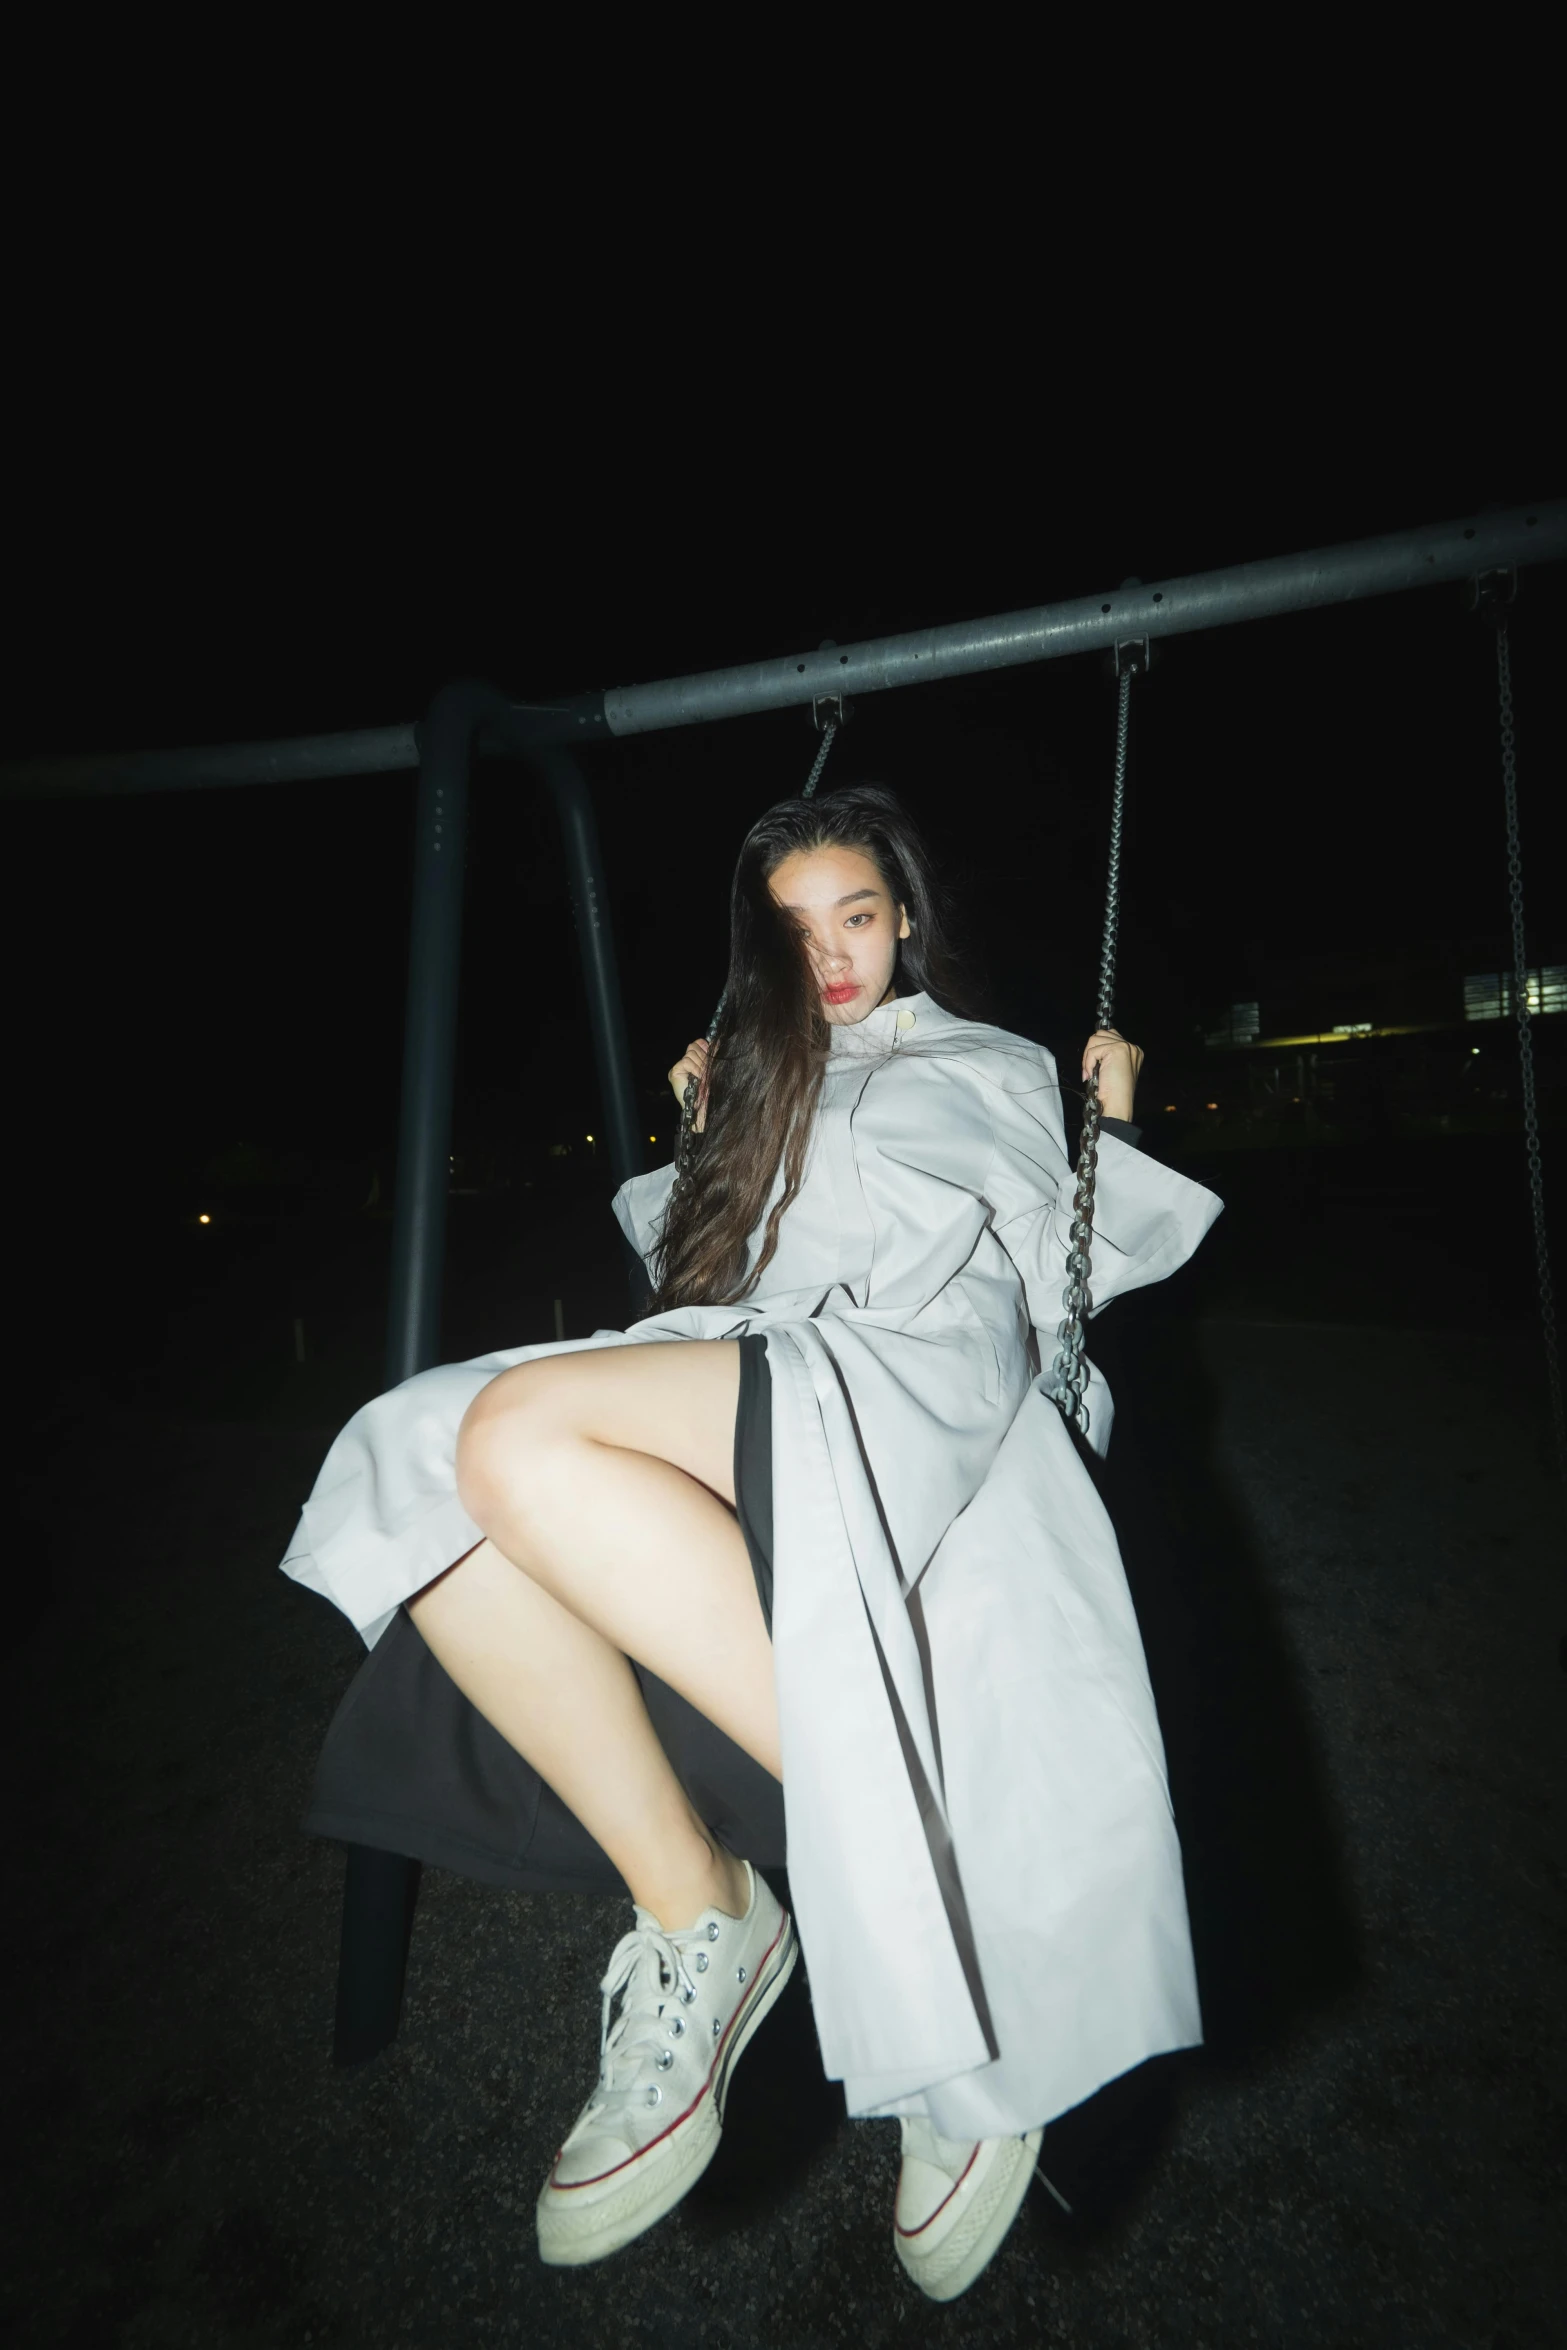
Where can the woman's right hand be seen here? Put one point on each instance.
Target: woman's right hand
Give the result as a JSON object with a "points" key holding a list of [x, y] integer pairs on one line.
{"points": [[693, 1063]]}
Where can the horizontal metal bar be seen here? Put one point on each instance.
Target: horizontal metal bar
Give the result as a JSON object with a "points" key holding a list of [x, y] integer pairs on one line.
{"points": [[305, 758], [1211, 599]]}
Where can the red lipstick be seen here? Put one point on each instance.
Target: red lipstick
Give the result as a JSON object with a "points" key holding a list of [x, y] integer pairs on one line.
{"points": [[841, 993]]}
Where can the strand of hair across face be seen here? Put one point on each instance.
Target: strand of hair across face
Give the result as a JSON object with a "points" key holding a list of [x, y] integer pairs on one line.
{"points": [[683, 1141]]}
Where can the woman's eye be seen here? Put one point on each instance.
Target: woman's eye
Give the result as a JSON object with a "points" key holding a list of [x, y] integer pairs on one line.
{"points": [[855, 919]]}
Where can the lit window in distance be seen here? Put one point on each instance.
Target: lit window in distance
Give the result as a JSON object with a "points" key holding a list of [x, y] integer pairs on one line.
{"points": [[1242, 1026], [1488, 995]]}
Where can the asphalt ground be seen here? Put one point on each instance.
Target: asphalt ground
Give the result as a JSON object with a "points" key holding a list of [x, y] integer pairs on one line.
{"points": [[1348, 1560]]}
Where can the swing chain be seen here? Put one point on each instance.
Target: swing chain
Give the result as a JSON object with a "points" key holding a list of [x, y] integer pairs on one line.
{"points": [[1117, 810], [685, 1140], [828, 731], [1531, 1115], [1069, 1371]]}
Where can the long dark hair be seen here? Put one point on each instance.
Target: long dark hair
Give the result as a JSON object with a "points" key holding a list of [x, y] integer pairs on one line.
{"points": [[770, 1048]]}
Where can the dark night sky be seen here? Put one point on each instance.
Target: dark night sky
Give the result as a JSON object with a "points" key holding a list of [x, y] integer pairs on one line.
{"points": [[204, 968]]}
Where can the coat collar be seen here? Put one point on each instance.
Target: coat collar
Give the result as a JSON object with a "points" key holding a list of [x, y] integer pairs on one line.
{"points": [[880, 1030]]}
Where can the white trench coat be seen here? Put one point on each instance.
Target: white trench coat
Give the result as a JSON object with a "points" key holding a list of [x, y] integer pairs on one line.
{"points": [[982, 1857]]}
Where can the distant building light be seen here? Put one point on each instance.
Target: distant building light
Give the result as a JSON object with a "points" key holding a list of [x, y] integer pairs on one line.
{"points": [[1354, 1028], [1241, 1027], [1475, 1049], [1168, 1107], [1210, 1105], [590, 1138], [204, 1219], [1488, 995]]}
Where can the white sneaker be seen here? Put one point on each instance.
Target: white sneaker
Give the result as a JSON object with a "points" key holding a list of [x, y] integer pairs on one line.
{"points": [[956, 2200], [689, 2005]]}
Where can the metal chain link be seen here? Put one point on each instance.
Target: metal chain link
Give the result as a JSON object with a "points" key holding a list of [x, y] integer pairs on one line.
{"points": [[685, 1140], [1113, 877], [1531, 1115], [1069, 1371], [811, 781]]}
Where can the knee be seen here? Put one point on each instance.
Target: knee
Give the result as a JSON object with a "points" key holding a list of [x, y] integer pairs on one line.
{"points": [[501, 1443]]}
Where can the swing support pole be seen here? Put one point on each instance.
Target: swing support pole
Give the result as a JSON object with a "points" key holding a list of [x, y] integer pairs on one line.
{"points": [[446, 745]]}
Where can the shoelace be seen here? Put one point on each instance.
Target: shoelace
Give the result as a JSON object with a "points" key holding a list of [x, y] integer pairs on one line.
{"points": [[646, 1970]]}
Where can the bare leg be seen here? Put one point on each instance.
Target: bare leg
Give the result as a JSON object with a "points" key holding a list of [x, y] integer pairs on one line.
{"points": [[567, 1700], [602, 1480]]}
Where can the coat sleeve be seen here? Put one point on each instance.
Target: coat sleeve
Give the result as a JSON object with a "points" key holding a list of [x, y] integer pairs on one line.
{"points": [[640, 1206], [1147, 1219]]}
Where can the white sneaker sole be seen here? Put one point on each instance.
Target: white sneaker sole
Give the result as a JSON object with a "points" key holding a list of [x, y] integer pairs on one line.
{"points": [[580, 2224], [950, 2251]]}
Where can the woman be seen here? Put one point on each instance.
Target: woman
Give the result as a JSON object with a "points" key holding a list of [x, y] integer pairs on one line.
{"points": [[870, 1250]]}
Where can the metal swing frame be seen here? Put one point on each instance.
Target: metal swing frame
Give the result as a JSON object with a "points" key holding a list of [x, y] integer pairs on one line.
{"points": [[467, 718]]}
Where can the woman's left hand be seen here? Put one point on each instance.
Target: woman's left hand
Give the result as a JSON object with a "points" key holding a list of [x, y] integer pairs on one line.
{"points": [[1119, 1065]]}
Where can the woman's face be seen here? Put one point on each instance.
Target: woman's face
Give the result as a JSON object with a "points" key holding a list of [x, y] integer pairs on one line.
{"points": [[848, 924]]}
